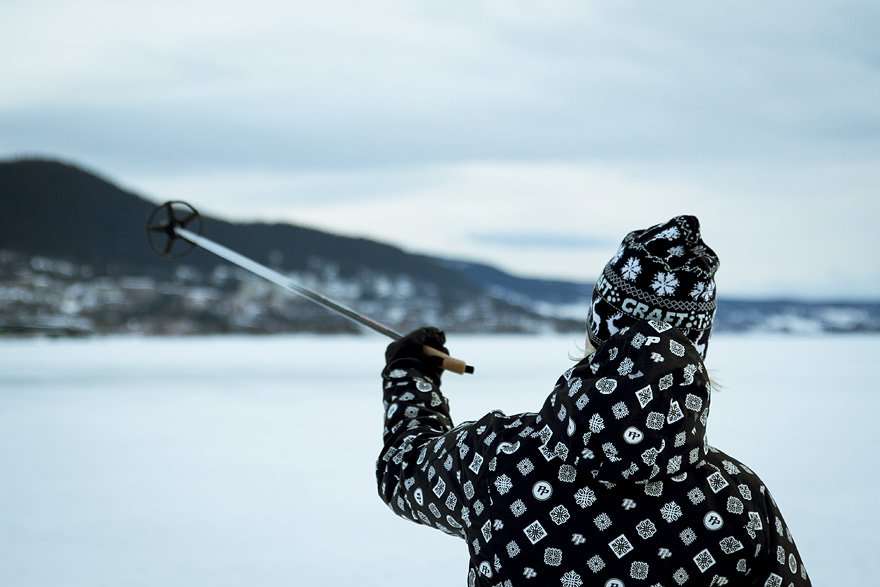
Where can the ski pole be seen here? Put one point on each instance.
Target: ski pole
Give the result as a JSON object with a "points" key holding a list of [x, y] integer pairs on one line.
{"points": [[176, 228]]}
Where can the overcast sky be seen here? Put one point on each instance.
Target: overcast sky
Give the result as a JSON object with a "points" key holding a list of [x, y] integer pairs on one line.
{"points": [[530, 135]]}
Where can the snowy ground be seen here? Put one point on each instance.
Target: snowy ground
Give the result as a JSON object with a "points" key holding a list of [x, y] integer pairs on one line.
{"points": [[249, 461]]}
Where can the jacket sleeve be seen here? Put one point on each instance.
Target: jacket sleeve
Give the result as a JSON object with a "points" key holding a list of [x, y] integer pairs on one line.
{"points": [[779, 563], [429, 471]]}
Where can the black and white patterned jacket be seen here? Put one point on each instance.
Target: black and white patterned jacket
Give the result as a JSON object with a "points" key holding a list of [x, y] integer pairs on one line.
{"points": [[612, 483]]}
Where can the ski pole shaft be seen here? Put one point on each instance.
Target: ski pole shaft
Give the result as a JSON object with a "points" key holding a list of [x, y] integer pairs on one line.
{"points": [[283, 281], [449, 363]]}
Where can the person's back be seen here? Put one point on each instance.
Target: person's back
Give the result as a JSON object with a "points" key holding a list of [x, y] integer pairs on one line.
{"points": [[611, 483]]}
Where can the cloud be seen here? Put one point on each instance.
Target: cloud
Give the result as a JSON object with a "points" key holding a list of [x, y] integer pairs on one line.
{"points": [[454, 127], [274, 85], [539, 240]]}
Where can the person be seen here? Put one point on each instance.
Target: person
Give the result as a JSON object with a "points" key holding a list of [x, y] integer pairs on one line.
{"points": [[612, 482]]}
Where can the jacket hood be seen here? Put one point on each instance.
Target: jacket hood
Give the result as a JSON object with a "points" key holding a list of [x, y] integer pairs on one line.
{"points": [[633, 411]]}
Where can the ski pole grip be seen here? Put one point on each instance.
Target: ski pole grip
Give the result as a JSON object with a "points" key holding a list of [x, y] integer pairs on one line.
{"points": [[449, 363]]}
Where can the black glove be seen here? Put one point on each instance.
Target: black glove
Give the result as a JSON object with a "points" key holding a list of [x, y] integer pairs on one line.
{"points": [[407, 351]]}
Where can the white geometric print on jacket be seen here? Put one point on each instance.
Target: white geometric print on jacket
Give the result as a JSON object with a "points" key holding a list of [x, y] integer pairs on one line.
{"points": [[612, 482]]}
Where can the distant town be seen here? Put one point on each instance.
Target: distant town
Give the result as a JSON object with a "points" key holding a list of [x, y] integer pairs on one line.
{"points": [[43, 296]]}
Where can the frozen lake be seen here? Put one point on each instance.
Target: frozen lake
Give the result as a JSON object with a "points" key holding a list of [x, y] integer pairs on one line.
{"points": [[249, 461]]}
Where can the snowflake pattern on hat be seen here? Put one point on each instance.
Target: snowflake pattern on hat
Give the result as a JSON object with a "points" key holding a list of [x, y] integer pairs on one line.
{"points": [[622, 489], [663, 273]]}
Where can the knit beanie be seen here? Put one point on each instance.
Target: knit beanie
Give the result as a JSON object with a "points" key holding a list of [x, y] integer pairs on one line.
{"points": [[665, 273]]}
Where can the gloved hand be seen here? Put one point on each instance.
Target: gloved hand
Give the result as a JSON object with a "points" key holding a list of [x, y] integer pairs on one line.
{"points": [[409, 350]]}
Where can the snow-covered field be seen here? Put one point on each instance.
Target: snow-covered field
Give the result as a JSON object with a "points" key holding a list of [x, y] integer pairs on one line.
{"points": [[249, 461]]}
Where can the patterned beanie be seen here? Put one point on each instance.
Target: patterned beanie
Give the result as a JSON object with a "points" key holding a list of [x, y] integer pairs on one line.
{"points": [[663, 273]]}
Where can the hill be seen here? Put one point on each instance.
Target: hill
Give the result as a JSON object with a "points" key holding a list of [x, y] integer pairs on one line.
{"points": [[72, 227], [74, 259]]}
